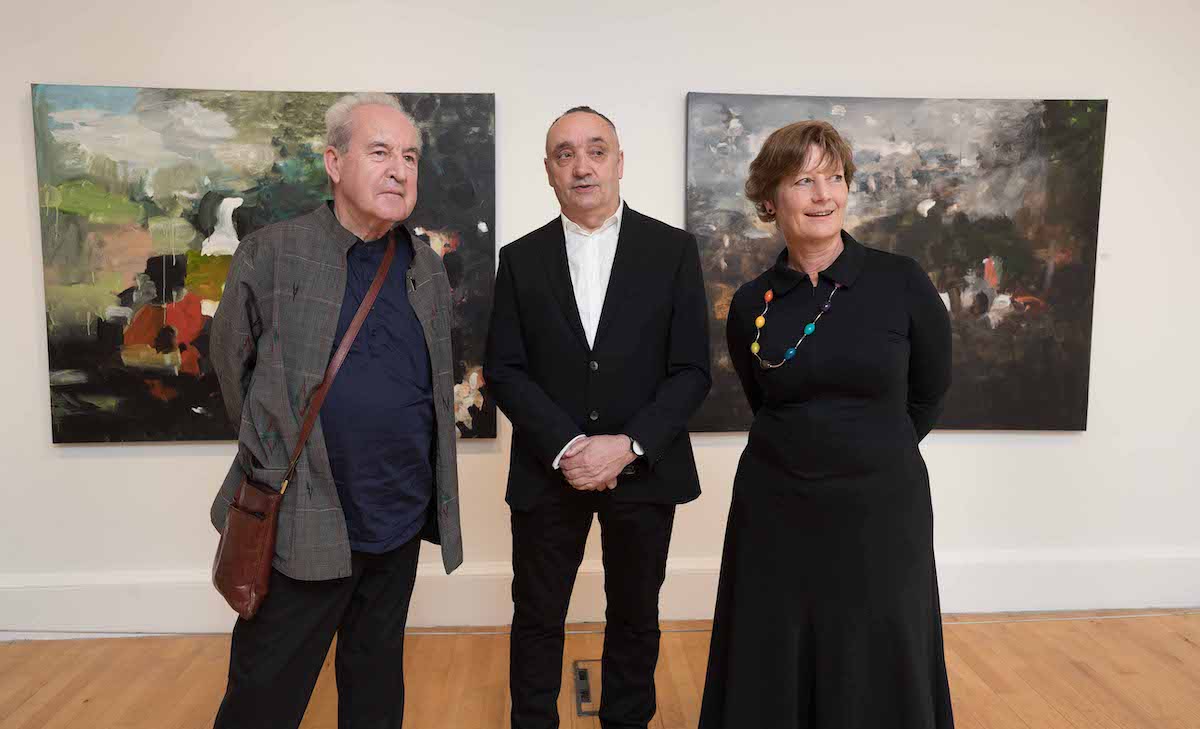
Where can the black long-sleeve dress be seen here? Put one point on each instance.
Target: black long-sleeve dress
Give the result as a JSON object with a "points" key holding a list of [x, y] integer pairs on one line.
{"points": [[827, 612]]}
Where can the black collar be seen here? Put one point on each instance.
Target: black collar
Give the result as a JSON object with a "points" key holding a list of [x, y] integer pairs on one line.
{"points": [[344, 239], [402, 238], [844, 269]]}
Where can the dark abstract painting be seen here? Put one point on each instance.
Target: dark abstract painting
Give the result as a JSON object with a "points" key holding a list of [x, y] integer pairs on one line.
{"points": [[144, 195], [998, 200]]}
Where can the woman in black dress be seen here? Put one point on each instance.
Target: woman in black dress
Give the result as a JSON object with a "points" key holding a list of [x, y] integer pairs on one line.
{"points": [[827, 612]]}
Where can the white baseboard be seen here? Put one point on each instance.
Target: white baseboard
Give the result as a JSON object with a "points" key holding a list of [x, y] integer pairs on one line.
{"points": [[478, 594], [1068, 579]]}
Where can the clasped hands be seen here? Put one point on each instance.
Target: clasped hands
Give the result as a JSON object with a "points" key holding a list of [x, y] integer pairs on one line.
{"points": [[593, 463]]}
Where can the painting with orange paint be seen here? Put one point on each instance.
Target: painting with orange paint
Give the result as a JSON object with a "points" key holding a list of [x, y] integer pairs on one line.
{"points": [[144, 195], [997, 199]]}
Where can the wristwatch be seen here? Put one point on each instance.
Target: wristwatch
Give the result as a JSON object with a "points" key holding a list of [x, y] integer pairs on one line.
{"points": [[631, 469]]}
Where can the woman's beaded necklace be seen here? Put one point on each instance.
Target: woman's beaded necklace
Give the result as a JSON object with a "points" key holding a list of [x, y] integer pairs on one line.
{"points": [[809, 328]]}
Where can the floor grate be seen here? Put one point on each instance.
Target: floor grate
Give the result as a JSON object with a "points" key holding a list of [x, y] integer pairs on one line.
{"points": [[586, 678]]}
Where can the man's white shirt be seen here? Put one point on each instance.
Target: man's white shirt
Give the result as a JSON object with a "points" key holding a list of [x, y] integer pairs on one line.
{"points": [[590, 256]]}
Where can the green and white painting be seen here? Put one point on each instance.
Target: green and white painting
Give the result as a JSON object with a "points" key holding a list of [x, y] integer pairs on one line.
{"points": [[144, 195]]}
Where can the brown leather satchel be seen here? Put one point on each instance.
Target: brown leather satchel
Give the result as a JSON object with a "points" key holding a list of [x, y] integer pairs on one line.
{"points": [[242, 566]]}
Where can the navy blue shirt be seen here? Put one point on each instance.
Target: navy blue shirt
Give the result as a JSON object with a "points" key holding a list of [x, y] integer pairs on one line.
{"points": [[378, 417]]}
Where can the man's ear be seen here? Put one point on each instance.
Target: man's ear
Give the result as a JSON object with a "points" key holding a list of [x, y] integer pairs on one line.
{"points": [[332, 165]]}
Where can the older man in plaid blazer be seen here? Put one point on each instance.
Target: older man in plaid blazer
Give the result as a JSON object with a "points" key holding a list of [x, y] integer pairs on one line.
{"points": [[378, 473]]}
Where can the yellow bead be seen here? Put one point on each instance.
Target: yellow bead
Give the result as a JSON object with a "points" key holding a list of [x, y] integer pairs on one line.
{"points": [[760, 322], [754, 348]]}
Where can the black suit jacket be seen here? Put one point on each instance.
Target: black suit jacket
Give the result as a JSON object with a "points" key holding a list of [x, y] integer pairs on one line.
{"points": [[645, 376]]}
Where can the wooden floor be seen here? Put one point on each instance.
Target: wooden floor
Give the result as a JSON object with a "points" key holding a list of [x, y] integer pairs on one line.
{"points": [[1092, 671]]}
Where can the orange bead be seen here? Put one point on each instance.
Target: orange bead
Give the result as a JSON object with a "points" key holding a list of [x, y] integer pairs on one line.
{"points": [[760, 322], [769, 296]]}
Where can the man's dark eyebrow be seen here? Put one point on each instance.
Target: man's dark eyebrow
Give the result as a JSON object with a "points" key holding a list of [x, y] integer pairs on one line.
{"points": [[567, 145], [381, 144]]}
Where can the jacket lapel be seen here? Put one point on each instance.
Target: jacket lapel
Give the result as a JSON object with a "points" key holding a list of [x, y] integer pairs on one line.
{"points": [[420, 296], [624, 272], [559, 275]]}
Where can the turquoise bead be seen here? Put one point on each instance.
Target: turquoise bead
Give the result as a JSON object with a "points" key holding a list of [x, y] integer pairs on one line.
{"points": [[810, 328], [790, 353]]}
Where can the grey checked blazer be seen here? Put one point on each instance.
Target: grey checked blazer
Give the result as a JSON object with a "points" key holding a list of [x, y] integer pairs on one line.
{"points": [[272, 337]]}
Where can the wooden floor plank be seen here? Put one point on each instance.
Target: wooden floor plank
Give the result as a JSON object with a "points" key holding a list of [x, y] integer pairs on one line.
{"points": [[1048, 672], [37, 664], [55, 695], [1002, 672], [1111, 670], [1168, 695], [1089, 670]]}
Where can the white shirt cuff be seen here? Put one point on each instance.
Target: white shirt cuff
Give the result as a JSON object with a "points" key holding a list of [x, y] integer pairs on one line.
{"points": [[637, 448], [566, 448]]}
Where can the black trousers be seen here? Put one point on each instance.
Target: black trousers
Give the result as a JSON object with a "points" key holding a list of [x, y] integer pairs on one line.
{"points": [[548, 543], [276, 657]]}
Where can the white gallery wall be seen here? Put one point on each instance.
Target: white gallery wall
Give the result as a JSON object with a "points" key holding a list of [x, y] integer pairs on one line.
{"points": [[116, 538]]}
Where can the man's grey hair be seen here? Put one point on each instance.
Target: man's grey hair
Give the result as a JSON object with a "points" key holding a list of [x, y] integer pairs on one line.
{"points": [[339, 117]]}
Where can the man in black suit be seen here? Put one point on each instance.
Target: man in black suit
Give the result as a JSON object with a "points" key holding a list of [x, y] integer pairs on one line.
{"points": [[598, 354]]}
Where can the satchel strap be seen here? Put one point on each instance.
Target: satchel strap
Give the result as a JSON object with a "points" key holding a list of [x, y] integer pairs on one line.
{"points": [[318, 398]]}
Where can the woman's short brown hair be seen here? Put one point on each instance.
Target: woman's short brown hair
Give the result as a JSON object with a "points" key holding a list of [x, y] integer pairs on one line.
{"points": [[784, 154]]}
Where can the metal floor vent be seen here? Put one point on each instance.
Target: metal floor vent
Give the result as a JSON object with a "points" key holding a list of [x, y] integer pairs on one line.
{"points": [[586, 677]]}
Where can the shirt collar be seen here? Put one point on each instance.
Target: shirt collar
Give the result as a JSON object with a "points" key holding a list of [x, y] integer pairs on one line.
{"points": [[844, 270], [402, 238], [570, 226], [344, 239]]}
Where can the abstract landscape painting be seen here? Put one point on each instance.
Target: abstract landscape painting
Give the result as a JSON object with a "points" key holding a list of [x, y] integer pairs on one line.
{"points": [[144, 195], [998, 200]]}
